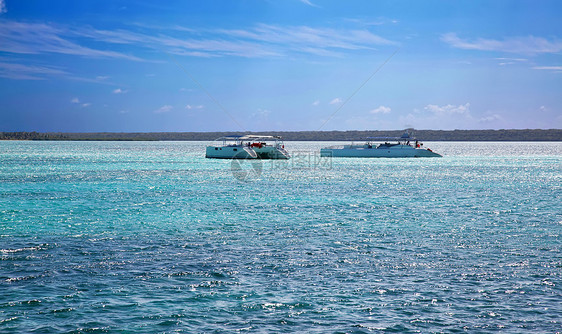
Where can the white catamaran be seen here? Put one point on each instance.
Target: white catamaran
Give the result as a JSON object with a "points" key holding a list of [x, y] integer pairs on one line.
{"points": [[381, 147], [248, 147]]}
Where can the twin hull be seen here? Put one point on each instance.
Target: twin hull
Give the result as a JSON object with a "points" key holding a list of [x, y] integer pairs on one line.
{"points": [[268, 152]]}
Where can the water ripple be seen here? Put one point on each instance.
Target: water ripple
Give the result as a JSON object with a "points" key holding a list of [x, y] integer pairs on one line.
{"points": [[152, 237]]}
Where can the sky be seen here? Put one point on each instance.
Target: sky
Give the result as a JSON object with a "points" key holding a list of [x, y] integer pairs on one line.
{"points": [[290, 65]]}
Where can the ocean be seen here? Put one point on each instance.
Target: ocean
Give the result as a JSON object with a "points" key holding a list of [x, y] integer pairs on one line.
{"points": [[151, 237]]}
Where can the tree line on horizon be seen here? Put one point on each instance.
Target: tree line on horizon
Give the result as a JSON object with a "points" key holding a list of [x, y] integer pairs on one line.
{"points": [[427, 135]]}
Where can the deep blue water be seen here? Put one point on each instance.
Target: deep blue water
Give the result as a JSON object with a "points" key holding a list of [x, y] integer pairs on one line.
{"points": [[151, 237]]}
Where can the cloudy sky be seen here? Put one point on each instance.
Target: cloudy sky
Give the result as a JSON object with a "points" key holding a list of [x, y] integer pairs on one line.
{"points": [[259, 65]]}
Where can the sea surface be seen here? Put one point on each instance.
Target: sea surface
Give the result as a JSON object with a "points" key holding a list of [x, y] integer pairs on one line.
{"points": [[151, 237]]}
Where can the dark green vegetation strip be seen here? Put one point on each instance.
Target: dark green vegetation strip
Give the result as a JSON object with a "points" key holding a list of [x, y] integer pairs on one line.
{"points": [[427, 135]]}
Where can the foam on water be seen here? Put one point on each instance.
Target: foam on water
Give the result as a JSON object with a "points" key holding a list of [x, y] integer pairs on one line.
{"points": [[152, 237]]}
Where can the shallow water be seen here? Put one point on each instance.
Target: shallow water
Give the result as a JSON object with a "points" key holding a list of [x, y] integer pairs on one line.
{"points": [[152, 237]]}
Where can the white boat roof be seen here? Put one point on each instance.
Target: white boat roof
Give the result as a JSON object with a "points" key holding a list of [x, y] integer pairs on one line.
{"points": [[229, 138], [249, 137], [405, 136], [390, 138], [256, 137]]}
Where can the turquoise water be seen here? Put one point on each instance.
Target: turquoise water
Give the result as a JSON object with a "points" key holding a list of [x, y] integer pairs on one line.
{"points": [[151, 237]]}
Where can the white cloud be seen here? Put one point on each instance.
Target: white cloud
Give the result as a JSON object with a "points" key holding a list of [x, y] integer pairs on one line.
{"points": [[548, 68], [307, 2], [263, 113], [260, 40], [38, 38], [3, 7], [381, 110], [448, 109], [336, 101], [543, 108], [316, 103], [77, 101], [189, 107], [521, 45], [510, 61], [119, 91], [447, 117], [28, 72], [490, 118], [163, 109]]}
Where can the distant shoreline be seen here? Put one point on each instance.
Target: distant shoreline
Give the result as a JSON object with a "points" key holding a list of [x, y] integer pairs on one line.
{"points": [[426, 135]]}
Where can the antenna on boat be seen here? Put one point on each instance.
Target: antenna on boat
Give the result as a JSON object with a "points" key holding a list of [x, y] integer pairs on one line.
{"points": [[357, 90]]}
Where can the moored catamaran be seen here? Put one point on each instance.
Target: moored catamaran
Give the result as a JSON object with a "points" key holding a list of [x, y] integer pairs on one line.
{"points": [[248, 147], [381, 147]]}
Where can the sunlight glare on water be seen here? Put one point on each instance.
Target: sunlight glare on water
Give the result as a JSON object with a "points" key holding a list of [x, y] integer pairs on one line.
{"points": [[152, 237]]}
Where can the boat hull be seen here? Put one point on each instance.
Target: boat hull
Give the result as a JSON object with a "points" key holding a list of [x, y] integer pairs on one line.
{"points": [[269, 152], [398, 151], [230, 152]]}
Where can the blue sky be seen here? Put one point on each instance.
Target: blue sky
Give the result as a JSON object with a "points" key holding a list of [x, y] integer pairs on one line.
{"points": [[258, 65]]}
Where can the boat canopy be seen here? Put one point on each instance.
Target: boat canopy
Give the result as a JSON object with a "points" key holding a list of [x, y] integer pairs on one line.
{"points": [[258, 137], [390, 138], [249, 137], [404, 137], [230, 138]]}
